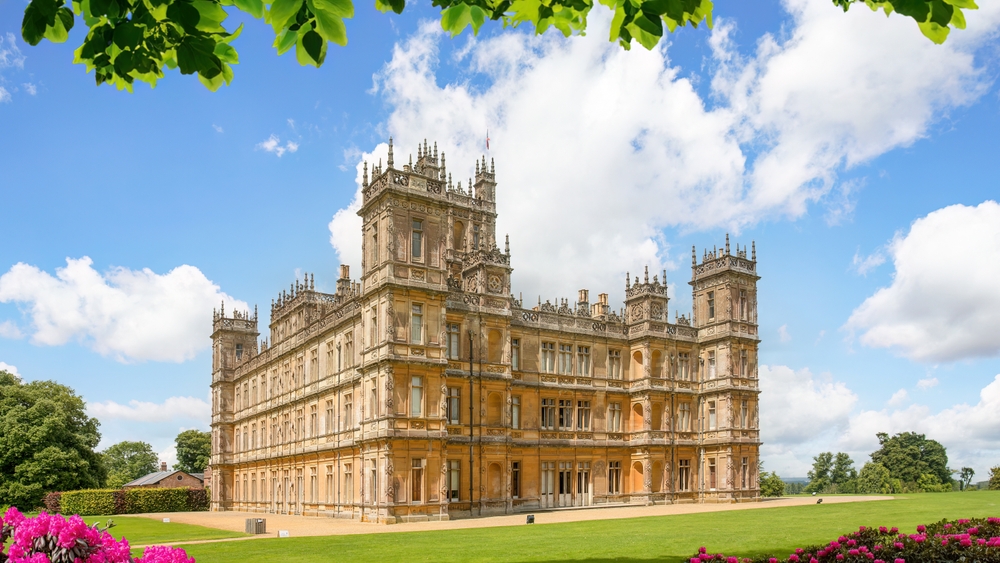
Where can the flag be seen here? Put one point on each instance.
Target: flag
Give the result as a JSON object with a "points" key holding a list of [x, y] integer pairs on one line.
{"points": [[487, 139]]}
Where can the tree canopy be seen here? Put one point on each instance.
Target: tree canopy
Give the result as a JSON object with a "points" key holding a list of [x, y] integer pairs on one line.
{"points": [[127, 461], [130, 40], [910, 456], [194, 450], [47, 442], [832, 474], [874, 479]]}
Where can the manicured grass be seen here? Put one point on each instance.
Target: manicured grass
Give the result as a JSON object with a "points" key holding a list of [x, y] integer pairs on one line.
{"points": [[662, 538], [147, 531]]}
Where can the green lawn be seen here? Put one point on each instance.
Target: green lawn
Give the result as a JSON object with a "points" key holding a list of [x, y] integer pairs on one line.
{"points": [[663, 538], [147, 531]]}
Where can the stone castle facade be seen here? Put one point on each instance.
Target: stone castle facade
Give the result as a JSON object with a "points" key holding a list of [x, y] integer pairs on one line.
{"points": [[425, 390]]}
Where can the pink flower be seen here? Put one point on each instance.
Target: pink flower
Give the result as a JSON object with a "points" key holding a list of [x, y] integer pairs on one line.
{"points": [[840, 557], [702, 549], [883, 529], [772, 560], [899, 560], [695, 560], [793, 557], [944, 542], [898, 545], [732, 560], [973, 531], [921, 528], [893, 530], [853, 552], [852, 543]]}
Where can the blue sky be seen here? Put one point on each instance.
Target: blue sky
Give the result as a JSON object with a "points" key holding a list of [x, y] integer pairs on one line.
{"points": [[858, 156]]}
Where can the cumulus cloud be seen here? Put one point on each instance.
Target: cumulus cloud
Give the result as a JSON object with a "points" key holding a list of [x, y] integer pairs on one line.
{"points": [[865, 264], [273, 145], [971, 433], [10, 57], [30, 88], [10, 330], [607, 147], [925, 384], [943, 303], [174, 408], [130, 315], [4, 366], [219, 129], [797, 407], [898, 398], [783, 334]]}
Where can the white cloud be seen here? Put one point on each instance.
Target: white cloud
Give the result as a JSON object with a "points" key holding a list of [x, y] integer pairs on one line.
{"points": [[943, 303], [928, 383], [865, 264], [4, 366], [4, 95], [273, 145], [898, 398], [131, 315], [30, 88], [174, 408], [783, 334], [10, 330], [219, 129], [10, 53], [587, 135], [797, 407], [169, 455]]}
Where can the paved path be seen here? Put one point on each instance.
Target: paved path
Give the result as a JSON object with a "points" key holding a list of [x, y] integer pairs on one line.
{"points": [[298, 526]]}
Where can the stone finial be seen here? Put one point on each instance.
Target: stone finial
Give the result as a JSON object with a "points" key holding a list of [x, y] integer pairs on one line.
{"points": [[753, 245], [493, 169], [364, 178], [694, 257], [727, 244], [435, 150], [506, 245], [444, 167], [411, 161], [628, 277], [389, 163], [477, 168], [420, 153], [645, 276]]}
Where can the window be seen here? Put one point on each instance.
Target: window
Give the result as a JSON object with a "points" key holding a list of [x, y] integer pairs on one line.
{"points": [[416, 395], [329, 417], [711, 474], [565, 414], [348, 411], [566, 358], [515, 479], [453, 341], [711, 415], [548, 357], [711, 365], [417, 480], [372, 402], [239, 351], [374, 243], [684, 474], [349, 349], [348, 484], [583, 360], [374, 327], [313, 366], [340, 358], [253, 488], [454, 478], [373, 481], [744, 470], [614, 364], [583, 415], [313, 485], [253, 436], [744, 363], [454, 401], [417, 324], [515, 354], [684, 417], [253, 392], [614, 477], [515, 412], [743, 304], [332, 358], [246, 395], [285, 429], [238, 434], [684, 366], [615, 417], [475, 237], [548, 414], [417, 238], [744, 413], [711, 305], [313, 422], [548, 477], [329, 484], [300, 425]]}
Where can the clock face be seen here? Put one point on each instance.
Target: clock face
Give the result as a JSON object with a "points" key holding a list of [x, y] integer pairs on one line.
{"points": [[636, 312], [495, 284]]}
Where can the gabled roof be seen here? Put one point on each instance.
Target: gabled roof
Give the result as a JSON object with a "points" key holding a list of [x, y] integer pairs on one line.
{"points": [[158, 476]]}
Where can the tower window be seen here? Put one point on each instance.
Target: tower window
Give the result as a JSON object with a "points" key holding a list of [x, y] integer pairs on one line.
{"points": [[418, 234], [239, 351], [417, 324], [453, 341], [475, 237], [515, 354], [711, 304]]}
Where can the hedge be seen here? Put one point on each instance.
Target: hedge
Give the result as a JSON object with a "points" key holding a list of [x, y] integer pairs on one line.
{"points": [[128, 501]]}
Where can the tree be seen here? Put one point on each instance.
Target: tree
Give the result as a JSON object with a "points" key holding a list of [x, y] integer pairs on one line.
{"points": [[874, 479], [194, 450], [965, 477], [843, 472], [132, 40], [819, 475], [771, 485], [995, 478], [46, 442], [127, 461], [908, 456]]}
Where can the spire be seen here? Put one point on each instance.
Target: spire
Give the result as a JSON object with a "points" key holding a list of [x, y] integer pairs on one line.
{"points": [[364, 180], [753, 245], [443, 167], [435, 150], [389, 163], [425, 146], [506, 245], [477, 168], [222, 309], [450, 185], [312, 281], [646, 276], [694, 257], [255, 312], [727, 244], [627, 280], [411, 161], [493, 169], [419, 151]]}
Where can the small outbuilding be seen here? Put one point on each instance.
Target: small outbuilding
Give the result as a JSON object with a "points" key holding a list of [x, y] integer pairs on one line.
{"points": [[165, 479]]}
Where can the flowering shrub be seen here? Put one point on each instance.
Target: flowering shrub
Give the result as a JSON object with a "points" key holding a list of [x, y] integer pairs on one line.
{"points": [[976, 539], [52, 538]]}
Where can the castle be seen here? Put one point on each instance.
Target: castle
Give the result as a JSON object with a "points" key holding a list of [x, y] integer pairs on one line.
{"points": [[427, 391]]}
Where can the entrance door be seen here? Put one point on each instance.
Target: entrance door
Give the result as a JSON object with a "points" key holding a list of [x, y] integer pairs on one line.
{"points": [[548, 484], [565, 483], [583, 497]]}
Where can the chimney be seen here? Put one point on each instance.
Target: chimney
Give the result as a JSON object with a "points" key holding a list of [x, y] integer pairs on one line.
{"points": [[163, 466]]}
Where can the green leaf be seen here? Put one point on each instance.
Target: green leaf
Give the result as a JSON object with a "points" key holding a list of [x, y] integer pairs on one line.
{"points": [[226, 53], [127, 35], [456, 18], [616, 24], [253, 7], [124, 63], [958, 19], [934, 32], [33, 25], [99, 8], [339, 8], [285, 41], [312, 43], [967, 4], [330, 27], [394, 5], [58, 32], [211, 15], [941, 12], [185, 14], [197, 54], [281, 12]]}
